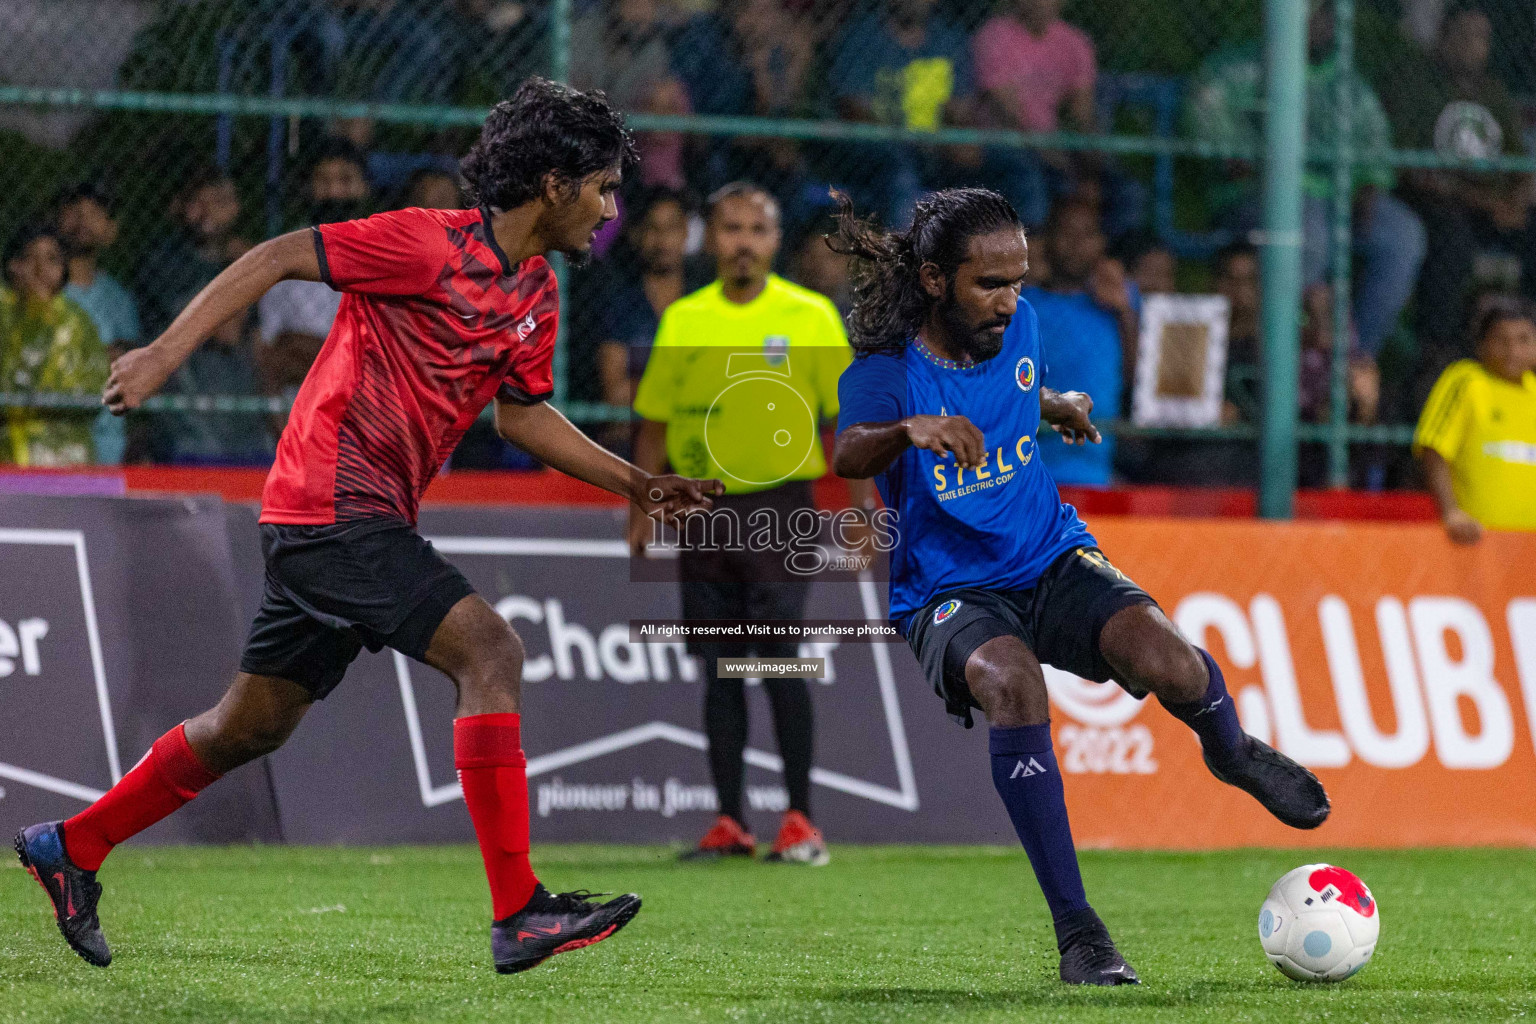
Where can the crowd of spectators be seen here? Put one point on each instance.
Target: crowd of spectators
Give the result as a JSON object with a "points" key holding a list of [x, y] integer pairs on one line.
{"points": [[1427, 245]]}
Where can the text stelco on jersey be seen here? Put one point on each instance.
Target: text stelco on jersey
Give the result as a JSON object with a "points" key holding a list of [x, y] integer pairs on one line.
{"points": [[988, 474]]}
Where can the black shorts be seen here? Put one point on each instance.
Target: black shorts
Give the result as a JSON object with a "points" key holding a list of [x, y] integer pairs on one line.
{"points": [[749, 600], [1059, 618], [746, 584], [333, 590]]}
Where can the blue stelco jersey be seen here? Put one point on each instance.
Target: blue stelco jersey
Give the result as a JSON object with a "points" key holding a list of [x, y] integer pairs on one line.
{"points": [[996, 527]]}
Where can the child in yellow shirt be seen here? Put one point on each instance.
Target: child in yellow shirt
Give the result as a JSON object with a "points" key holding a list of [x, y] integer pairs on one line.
{"points": [[1477, 435]]}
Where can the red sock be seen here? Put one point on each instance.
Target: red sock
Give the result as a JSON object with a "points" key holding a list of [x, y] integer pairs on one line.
{"points": [[488, 752], [169, 776]]}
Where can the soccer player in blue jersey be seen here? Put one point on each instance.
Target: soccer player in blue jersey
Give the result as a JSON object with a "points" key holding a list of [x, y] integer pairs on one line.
{"points": [[992, 573]]}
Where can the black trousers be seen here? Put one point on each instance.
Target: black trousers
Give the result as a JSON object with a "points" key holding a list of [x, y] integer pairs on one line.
{"points": [[725, 723], [751, 585]]}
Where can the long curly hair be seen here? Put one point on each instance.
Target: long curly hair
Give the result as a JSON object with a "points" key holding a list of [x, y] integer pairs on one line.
{"points": [[889, 301], [545, 128]]}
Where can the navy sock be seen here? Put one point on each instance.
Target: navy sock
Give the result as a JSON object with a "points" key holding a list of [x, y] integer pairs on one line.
{"points": [[1026, 776], [1214, 716]]}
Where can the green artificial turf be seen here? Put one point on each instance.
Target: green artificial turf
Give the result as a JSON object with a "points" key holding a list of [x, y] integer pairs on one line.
{"points": [[883, 934]]}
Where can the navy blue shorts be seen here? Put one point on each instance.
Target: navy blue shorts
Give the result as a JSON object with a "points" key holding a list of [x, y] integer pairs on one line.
{"points": [[1059, 619], [333, 590]]}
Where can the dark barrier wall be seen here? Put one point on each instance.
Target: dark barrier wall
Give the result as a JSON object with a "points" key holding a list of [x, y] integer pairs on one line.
{"points": [[612, 728], [120, 619], [1400, 668]]}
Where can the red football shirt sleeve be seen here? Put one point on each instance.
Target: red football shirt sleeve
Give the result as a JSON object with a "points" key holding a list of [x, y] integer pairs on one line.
{"points": [[402, 252], [530, 379]]}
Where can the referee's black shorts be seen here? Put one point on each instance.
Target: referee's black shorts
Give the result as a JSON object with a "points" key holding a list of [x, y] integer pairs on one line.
{"points": [[747, 584], [1059, 618], [333, 590]]}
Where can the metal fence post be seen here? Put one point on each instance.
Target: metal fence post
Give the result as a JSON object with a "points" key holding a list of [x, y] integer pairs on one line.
{"points": [[1342, 242], [224, 124], [1285, 125], [279, 39], [560, 70]]}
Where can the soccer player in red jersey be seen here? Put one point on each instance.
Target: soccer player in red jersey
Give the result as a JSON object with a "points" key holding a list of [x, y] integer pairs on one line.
{"points": [[442, 311]]}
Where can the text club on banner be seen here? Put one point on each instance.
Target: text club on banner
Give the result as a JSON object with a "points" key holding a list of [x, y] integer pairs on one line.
{"points": [[1400, 669]]}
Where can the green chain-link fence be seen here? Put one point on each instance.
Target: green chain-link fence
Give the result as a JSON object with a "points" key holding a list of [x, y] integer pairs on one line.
{"points": [[200, 126]]}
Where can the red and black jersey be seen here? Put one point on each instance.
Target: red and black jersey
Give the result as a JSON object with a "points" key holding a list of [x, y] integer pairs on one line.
{"points": [[433, 324]]}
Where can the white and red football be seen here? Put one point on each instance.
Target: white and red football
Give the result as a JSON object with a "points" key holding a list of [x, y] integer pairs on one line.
{"points": [[1319, 923]]}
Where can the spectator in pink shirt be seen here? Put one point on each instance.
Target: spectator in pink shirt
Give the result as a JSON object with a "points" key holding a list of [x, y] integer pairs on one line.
{"points": [[1036, 73], [1035, 67]]}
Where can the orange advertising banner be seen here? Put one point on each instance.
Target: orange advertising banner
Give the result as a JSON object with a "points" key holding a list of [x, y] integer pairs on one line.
{"points": [[1398, 667]]}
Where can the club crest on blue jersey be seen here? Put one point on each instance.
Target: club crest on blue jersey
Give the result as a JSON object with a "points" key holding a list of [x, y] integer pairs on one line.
{"points": [[945, 610], [1024, 373]]}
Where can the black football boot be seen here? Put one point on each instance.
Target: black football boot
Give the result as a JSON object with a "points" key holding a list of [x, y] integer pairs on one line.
{"points": [[73, 891], [556, 923], [1088, 954], [1285, 788]]}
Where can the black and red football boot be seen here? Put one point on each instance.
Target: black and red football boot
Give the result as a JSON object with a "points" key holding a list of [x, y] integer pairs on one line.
{"points": [[554, 923], [73, 891]]}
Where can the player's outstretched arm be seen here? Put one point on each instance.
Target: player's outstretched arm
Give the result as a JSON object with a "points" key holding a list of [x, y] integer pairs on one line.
{"points": [[139, 373], [651, 456], [865, 449], [543, 432], [1067, 412]]}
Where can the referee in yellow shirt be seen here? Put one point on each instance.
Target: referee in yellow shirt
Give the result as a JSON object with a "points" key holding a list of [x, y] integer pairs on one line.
{"points": [[1477, 434], [741, 375]]}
